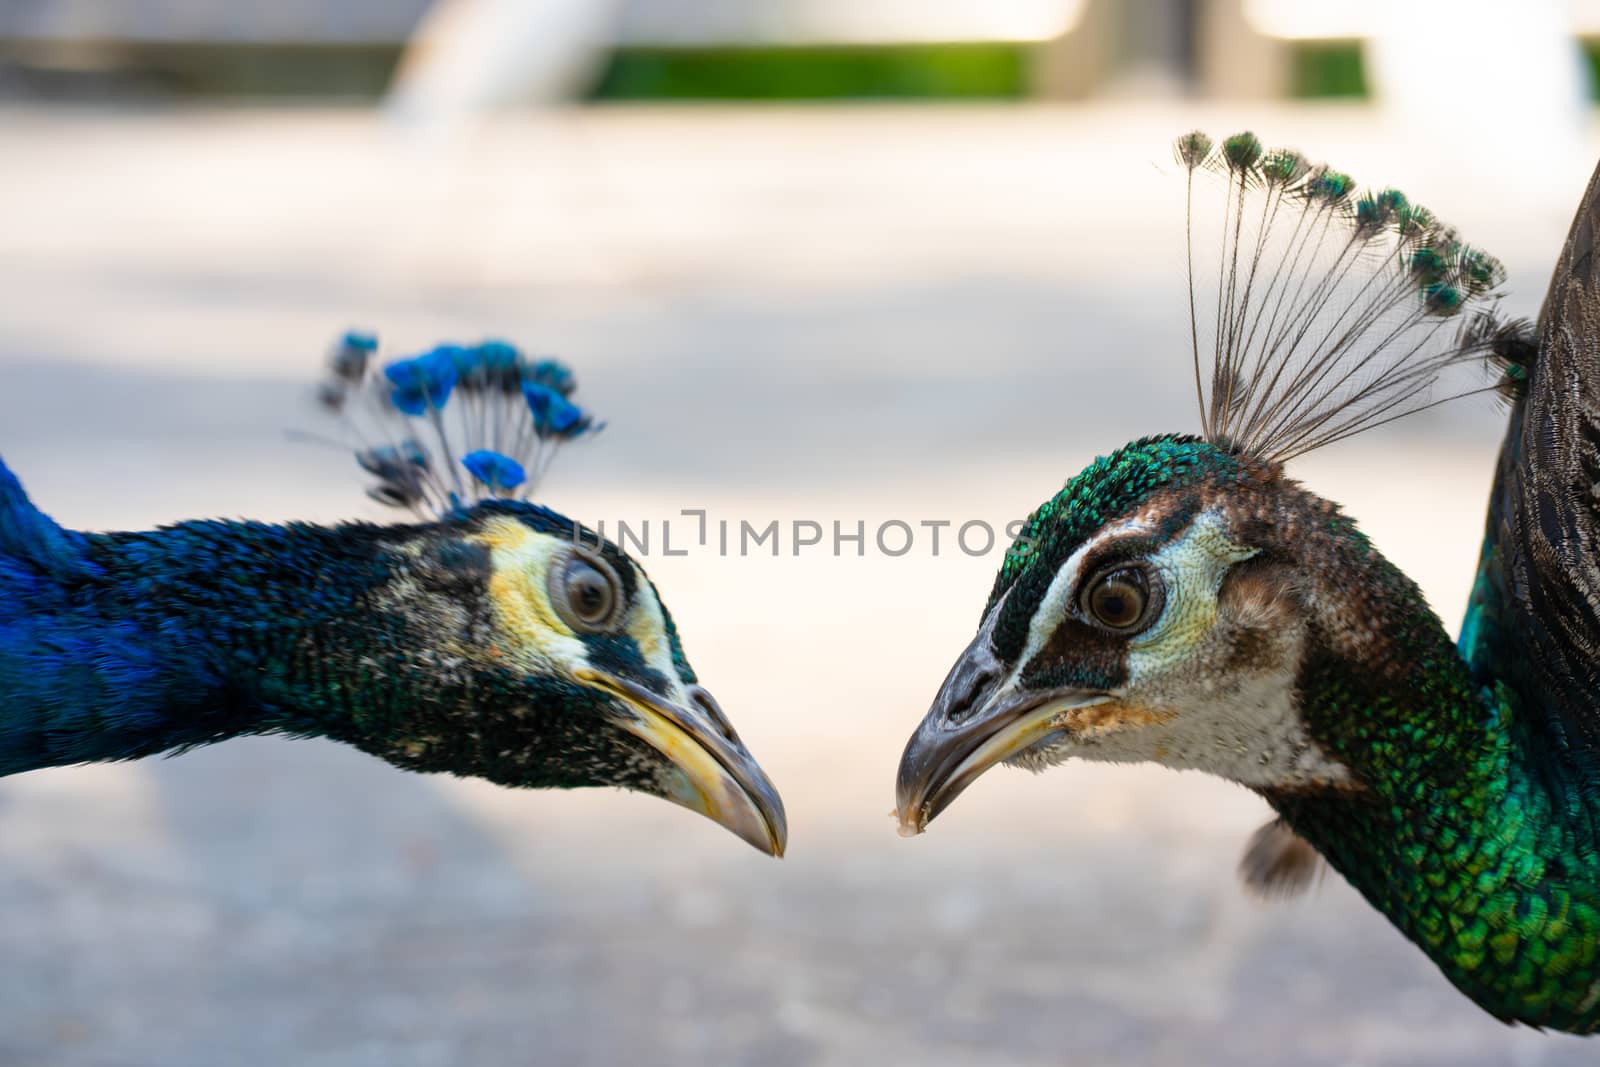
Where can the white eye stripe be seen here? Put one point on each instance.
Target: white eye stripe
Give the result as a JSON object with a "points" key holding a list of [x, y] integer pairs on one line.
{"points": [[1058, 598]]}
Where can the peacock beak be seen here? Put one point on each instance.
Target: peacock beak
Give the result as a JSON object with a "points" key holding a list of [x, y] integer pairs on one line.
{"points": [[717, 775], [977, 721]]}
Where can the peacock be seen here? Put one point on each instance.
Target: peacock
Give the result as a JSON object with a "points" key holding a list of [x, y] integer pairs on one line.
{"points": [[491, 637], [1184, 601]]}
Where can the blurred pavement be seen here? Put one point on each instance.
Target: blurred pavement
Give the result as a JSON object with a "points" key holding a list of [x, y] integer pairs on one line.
{"points": [[868, 314]]}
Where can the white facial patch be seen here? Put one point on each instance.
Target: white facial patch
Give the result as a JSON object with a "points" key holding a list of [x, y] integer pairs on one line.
{"points": [[1058, 599], [1192, 569], [1192, 702]]}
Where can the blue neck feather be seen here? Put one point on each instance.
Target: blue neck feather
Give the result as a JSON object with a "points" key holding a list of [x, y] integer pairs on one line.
{"points": [[116, 646]]}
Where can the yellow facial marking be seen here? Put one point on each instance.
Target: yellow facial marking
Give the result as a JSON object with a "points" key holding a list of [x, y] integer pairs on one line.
{"points": [[518, 587], [647, 626]]}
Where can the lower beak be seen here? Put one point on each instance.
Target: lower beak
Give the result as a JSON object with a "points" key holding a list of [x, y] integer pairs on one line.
{"points": [[944, 757], [720, 779]]}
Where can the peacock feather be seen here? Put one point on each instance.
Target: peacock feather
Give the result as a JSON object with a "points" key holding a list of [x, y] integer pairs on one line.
{"points": [[1184, 601], [509, 418], [492, 638], [1334, 310]]}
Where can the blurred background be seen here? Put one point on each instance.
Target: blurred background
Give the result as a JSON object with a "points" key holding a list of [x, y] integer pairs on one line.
{"points": [[911, 260]]}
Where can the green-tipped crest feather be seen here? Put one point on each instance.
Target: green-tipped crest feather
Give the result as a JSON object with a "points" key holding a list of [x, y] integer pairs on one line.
{"points": [[1430, 264], [1413, 221], [1242, 151], [1329, 306], [1480, 271], [1393, 201], [1372, 213], [1283, 167], [1329, 185], [1441, 298], [1192, 149]]}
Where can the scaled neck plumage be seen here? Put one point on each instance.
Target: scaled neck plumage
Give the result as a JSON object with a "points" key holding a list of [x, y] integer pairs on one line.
{"points": [[1465, 833]]}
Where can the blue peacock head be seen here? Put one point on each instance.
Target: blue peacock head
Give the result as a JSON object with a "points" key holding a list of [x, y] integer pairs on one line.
{"points": [[569, 669]]}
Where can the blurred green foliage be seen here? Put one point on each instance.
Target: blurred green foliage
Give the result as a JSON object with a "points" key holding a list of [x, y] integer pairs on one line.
{"points": [[1331, 69], [983, 71], [1336, 69], [294, 70], [940, 71], [1591, 56], [955, 71]]}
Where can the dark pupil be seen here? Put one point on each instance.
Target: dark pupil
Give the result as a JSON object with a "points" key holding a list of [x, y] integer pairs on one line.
{"points": [[1118, 601], [591, 596]]}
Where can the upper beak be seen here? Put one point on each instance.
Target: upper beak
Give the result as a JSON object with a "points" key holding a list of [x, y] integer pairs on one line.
{"points": [[720, 779], [976, 721]]}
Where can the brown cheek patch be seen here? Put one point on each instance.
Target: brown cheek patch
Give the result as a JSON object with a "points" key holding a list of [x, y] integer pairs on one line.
{"points": [[1256, 595], [1257, 603]]}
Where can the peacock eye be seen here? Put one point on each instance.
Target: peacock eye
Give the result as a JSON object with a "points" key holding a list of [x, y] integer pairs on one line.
{"points": [[1124, 598], [587, 594]]}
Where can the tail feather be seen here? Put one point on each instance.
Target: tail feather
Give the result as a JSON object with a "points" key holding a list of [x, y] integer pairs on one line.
{"points": [[32, 538]]}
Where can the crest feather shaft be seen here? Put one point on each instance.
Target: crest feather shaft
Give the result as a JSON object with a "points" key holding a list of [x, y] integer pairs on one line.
{"points": [[1334, 310], [454, 425]]}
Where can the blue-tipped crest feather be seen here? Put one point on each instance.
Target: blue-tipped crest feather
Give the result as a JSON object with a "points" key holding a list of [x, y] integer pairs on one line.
{"points": [[454, 425], [423, 383], [499, 473]]}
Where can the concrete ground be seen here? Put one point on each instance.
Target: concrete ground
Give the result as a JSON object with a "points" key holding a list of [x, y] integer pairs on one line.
{"points": [[826, 315]]}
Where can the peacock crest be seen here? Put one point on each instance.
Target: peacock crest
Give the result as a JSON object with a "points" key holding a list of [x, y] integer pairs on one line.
{"points": [[458, 424], [1336, 310]]}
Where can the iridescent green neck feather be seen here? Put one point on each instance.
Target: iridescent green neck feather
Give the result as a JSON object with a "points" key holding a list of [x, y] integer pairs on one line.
{"points": [[1472, 837], [1183, 602], [1282, 650]]}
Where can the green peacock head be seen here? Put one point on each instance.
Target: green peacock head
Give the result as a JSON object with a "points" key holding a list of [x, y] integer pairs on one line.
{"points": [[518, 646], [1175, 600], [1153, 610]]}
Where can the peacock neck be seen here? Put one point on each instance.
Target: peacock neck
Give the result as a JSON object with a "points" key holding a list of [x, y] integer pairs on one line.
{"points": [[193, 634], [1465, 834]]}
